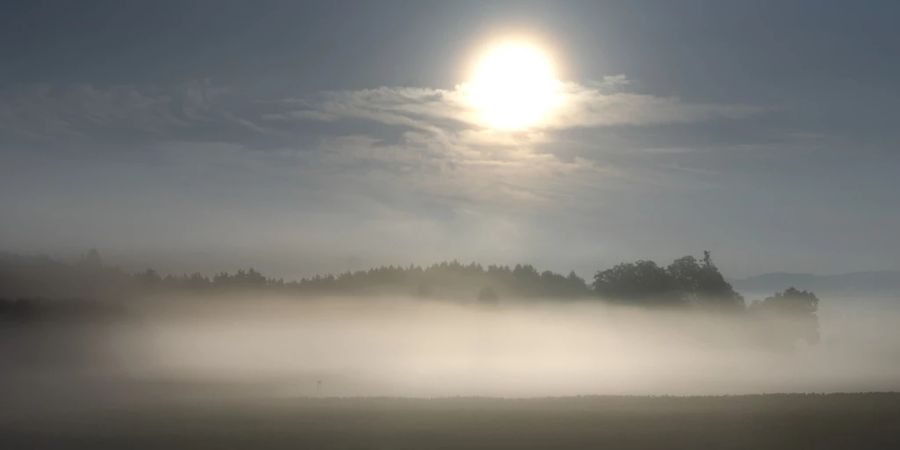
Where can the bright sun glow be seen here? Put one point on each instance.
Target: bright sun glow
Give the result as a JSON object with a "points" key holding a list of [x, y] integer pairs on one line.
{"points": [[513, 86]]}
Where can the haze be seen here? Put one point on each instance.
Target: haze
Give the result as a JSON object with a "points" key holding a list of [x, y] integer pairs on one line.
{"points": [[449, 224], [303, 138]]}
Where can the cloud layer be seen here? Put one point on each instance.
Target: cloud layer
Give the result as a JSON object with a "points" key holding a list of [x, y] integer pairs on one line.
{"points": [[404, 163]]}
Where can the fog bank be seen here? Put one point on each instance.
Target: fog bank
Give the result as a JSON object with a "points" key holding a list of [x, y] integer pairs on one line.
{"points": [[277, 346]]}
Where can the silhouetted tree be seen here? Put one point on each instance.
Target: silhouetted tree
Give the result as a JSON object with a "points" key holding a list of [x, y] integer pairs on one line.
{"points": [[148, 278], [798, 308], [686, 281], [642, 283], [701, 284], [488, 295]]}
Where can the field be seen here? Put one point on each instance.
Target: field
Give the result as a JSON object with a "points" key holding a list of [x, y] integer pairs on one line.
{"points": [[839, 421]]}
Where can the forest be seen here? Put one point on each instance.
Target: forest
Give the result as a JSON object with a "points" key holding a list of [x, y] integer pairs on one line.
{"points": [[688, 283]]}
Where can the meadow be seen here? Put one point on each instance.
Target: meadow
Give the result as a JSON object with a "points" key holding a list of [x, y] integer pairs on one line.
{"points": [[778, 421]]}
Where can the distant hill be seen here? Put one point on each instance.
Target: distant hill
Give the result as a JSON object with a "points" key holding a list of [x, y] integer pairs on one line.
{"points": [[872, 282]]}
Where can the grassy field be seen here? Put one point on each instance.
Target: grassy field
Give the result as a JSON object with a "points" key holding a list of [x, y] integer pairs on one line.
{"points": [[839, 421]]}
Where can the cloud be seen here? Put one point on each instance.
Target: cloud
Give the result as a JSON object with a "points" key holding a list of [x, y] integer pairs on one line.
{"points": [[137, 116], [425, 141], [126, 117], [602, 104], [591, 107], [441, 136], [381, 173]]}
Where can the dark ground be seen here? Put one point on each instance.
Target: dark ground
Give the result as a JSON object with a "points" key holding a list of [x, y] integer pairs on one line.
{"points": [[839, 421]]}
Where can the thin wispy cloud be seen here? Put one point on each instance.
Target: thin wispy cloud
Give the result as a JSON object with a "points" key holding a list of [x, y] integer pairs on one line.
{"points": [[425, 137], [606, 103], [402, 157], [201, 111]]}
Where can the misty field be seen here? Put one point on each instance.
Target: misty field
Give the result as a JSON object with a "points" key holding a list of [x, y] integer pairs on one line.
{"points": [[796, 421], [242, 362]]}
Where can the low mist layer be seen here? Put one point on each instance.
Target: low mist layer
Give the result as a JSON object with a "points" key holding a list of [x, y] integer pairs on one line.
{"points": [[85, 333], [384, 346]]}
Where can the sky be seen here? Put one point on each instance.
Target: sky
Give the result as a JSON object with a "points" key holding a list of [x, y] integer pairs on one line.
{"points": [[305, 137]]}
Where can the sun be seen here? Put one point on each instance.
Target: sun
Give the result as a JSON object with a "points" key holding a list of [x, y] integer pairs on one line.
{"points": [[513, 86]]}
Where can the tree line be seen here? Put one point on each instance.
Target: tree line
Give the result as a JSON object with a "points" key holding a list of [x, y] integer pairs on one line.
{"points": [[687, 282]]}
